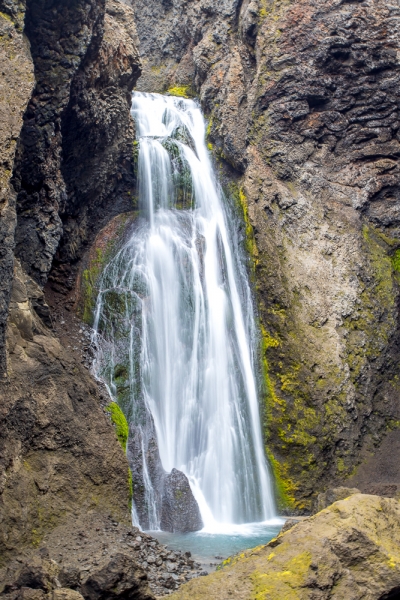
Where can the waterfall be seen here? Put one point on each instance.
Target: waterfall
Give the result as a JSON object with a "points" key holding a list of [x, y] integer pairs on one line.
{"points": [[175, 321]]}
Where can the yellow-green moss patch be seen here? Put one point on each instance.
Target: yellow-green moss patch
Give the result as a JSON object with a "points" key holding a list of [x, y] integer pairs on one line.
{"points": [[282, 584], [120, 422], [184, 91]]}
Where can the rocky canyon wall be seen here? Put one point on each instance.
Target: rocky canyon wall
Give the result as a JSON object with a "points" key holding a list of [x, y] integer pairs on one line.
{"points": [[302, 99], [68, 69]]}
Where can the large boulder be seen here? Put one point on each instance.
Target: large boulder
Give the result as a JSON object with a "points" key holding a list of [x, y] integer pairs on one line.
{"points": [[120, 578], [161, 499], [349, 550], [180, 511]]}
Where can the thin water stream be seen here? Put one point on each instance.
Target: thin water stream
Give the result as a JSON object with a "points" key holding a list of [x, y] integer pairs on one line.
{"points": [[175, 312]]}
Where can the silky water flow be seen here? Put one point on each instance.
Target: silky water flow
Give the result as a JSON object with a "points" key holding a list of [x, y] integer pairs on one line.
{"points": [[175, 317]]}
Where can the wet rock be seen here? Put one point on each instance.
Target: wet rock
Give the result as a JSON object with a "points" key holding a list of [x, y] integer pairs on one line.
{"points": [[175, 507], [180, 511], [143, 446]]}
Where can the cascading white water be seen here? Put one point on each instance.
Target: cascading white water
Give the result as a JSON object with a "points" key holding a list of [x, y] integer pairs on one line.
{"points": [[189, 335]]}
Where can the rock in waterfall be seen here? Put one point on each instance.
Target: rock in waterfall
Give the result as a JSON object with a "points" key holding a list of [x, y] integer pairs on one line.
{"points": [[180, 511]]}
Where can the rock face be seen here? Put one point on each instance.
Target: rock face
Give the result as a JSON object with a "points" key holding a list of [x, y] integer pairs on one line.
{"points": [[74, 151], [180, 511], [302, 99], [59, 454], [143, 450], [16, 88], [41, 579], [74, 166], [349, 550], [330, 496]]}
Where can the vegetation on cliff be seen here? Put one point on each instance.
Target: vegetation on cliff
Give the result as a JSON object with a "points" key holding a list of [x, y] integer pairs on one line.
{"points": [[120, 423]]}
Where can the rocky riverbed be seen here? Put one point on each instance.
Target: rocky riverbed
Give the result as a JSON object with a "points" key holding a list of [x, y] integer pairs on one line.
{"points": [[96, 553]]}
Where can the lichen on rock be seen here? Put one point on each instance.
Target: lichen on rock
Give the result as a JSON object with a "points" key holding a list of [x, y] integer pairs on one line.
{"points": [[349, 550]]}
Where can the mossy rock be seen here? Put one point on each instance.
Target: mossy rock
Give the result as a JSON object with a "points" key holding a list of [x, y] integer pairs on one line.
{"points": [[350, 550]]}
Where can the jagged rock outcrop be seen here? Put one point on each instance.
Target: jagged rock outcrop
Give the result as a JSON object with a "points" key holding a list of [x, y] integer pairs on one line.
{"points": [[349, 550], [95, 556], [303, 99], [75, 152], [74, 166], [43, 578], [59, 46], [331, 496]]}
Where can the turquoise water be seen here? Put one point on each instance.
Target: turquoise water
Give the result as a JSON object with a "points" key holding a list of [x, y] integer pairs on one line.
{"points": [[209, 549]]}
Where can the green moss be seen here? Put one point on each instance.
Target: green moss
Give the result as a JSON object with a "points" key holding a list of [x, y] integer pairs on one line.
{"points": [[6, 17], [285, 488], [135, 154], [238, 195], [120, 423], [157, 68], [290, 421], [375, 318], [297, 438], [184, 91], [209, 127], [102, 256], [251, 245], [396, 261]]}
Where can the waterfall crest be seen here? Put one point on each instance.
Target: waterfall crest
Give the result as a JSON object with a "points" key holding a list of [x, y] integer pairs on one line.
{"points": [[175, 323]]}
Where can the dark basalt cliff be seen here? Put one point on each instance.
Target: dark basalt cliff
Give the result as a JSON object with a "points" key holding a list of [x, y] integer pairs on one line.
{"points": [[303, 102], [73, 163]]}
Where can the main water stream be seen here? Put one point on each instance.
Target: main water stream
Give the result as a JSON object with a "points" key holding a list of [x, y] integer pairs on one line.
{"points": [[175, 312]]}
